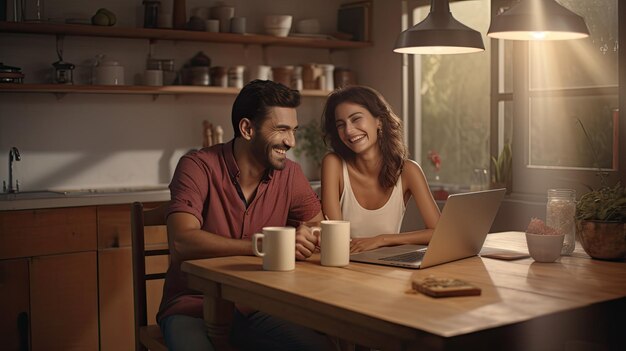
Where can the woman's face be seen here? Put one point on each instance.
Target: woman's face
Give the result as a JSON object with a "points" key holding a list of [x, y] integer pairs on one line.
{"points": [[356, 126]]}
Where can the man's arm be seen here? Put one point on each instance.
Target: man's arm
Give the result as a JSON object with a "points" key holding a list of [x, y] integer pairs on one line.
{"points": [[188, 241]]}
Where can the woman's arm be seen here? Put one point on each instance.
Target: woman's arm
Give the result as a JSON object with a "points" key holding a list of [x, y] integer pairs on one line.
{"points": [[415, 183], [331, 186]]}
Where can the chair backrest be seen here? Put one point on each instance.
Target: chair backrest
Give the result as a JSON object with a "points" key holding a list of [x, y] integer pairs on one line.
{"points": [[140, 219]]}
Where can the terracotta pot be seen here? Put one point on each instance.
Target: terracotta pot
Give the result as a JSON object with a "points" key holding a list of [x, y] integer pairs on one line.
{"points": [[603, 240]]}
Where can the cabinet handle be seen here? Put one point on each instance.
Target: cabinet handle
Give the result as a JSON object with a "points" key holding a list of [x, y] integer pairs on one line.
{"points": [[22, 328]]}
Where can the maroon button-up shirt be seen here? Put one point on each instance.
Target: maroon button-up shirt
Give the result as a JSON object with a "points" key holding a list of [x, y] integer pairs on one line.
{"points": [[206, 185]]}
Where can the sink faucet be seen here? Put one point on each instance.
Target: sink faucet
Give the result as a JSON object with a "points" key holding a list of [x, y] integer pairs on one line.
{"points": [[14, 154]]}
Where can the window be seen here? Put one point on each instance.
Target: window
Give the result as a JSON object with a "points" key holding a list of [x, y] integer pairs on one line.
{"points": [[449, 102], [528, 94], [558, 85]]}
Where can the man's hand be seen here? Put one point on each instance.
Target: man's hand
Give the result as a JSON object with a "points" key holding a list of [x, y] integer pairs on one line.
{"points": [[305, 242]]}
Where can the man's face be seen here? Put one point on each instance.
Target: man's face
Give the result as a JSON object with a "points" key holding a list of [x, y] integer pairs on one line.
{"points": [[275, 136]]}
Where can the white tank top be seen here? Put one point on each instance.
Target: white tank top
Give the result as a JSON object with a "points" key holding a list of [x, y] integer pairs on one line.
{"points": [[366, 223]]}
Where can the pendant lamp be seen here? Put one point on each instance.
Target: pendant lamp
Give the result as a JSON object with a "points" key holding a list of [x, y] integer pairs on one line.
{"points": [[439, 33], [538, 20]]}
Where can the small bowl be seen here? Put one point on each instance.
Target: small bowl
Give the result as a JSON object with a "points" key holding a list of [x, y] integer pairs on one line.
{"points": [[278, 21], [277, 32], [278, 25], [544, 247]]}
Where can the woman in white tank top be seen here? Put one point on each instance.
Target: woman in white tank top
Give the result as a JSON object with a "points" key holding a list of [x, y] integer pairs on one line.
{"points": [[368, 179]]}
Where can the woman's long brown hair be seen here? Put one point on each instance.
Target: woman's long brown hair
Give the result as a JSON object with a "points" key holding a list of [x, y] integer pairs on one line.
{"points": [[393, 150]]}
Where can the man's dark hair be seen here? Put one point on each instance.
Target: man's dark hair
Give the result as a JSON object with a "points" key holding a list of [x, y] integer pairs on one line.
{"points": [[255, 99]]}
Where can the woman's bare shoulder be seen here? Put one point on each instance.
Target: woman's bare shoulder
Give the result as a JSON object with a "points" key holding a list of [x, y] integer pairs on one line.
{"points": [[411, 167], [331, 159]]}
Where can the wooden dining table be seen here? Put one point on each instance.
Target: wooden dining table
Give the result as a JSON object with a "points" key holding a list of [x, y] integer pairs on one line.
{"points": [[574, 303]]}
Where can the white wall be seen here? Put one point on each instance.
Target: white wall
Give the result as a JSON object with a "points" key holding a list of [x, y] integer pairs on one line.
{"points": [[85, 141]]}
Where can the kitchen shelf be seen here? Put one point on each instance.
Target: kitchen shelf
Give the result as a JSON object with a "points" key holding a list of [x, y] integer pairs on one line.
{"points": [[130, 89], [173, 34]]}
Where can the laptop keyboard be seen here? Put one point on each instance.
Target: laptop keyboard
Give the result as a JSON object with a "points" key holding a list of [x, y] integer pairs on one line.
{"points": [[405, 257]]}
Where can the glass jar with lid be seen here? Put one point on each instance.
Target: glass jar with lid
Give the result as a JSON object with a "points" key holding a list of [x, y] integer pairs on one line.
{"points": [[63, 72], [560, 213]]}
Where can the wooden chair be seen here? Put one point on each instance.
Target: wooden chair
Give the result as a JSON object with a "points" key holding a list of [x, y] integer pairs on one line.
{"points": [[146, 336]]}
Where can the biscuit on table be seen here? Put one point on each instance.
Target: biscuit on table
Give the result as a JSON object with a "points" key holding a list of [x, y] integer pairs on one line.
{"points": [[444, 287]]}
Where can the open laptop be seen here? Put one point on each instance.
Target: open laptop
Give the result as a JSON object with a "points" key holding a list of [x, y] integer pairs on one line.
{"points": [[461, 231]]}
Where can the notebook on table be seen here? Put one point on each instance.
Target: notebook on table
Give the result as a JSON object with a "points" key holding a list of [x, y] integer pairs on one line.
{"points": [[460, 233]]}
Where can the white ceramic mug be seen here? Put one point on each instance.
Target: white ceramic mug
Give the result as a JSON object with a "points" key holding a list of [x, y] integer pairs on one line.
{"points": [[334, 242], [279, 248]]}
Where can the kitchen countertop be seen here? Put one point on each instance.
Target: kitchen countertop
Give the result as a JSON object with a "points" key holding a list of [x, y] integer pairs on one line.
{"points": [[89, 197]]}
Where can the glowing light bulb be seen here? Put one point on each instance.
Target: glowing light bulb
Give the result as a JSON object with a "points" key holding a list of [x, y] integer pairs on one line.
{"points": [[538, 35]]}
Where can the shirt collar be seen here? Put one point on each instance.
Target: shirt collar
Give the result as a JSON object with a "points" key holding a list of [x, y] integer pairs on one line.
{"points": [[233, 168]]}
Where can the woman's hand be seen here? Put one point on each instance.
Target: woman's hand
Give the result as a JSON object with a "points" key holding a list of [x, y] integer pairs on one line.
{"points": [[366, 244]]}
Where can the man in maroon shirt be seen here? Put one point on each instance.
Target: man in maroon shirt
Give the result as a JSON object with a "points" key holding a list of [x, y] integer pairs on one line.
{"points": [[223, 194]]}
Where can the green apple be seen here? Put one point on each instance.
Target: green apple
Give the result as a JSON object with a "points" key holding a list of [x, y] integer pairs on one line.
{"points": [[109, 14]]}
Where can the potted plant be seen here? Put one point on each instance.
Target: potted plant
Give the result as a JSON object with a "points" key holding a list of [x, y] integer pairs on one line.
{"points": [[502, 166], [601, 219], [310, 143], [601, 222]]}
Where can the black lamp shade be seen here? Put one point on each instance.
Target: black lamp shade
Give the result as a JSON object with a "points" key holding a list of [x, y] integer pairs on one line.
{"points": [[439, 33], [538, 20]]}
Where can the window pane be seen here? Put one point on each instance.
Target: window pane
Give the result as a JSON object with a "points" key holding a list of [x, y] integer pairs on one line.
{"points": [[558, 141], [584, 62], [505, 66], [505, 123], [455, 103]]}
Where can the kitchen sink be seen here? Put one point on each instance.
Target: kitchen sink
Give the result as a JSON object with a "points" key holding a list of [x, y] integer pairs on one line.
{"points": [[50, 194], [35, 194]]}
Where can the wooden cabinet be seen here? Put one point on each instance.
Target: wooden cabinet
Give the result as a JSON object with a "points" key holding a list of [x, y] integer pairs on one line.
{"points": [[48, 270], [66, 279]]}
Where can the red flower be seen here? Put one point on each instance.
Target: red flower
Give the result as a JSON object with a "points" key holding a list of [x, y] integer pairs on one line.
{"points": [[434, 158]]}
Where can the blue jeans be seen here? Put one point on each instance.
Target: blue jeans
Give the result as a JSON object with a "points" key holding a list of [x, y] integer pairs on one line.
{"points": [[258, 331], [185, 333]]}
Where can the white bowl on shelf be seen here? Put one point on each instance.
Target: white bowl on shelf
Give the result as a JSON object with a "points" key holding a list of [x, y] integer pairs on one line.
{"points": [[277, 32], [278, 25]]}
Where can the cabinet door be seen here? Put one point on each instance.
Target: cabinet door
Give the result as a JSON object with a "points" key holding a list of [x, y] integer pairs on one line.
{"points": [[14, 288], [64, 302], [116, 299]]}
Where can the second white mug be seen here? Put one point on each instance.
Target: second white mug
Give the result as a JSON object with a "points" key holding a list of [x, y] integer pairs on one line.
{"points": [[334, 242], [279, 248]]}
